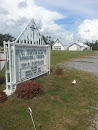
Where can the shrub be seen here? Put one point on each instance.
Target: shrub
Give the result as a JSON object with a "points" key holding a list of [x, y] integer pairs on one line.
{"points": [[51, 69], [58, 71], [28, 89], [2, 79], [3, 96]]}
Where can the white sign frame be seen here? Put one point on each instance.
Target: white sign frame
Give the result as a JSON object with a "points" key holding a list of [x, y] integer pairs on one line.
{"points": [[31, 38], [11, 71]]}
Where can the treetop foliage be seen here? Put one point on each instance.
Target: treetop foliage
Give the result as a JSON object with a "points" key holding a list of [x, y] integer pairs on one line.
{"points": [[93, 45], [6, 37]]}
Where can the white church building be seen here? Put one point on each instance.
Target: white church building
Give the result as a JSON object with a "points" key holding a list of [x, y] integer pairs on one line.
{"points": [[78, 47], [59, 46], [73, 47]]}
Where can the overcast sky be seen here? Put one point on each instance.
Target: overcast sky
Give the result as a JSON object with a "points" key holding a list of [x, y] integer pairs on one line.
{"points": [[67, 20]]}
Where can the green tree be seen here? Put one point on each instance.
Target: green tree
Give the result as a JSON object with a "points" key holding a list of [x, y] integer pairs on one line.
{"points": [[48, 40], [93, 45], [6, 37]]}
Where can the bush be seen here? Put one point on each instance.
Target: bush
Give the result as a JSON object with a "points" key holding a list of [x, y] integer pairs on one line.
{"points": [[3, 96], [28, 89], [2, 79], [51, 69], [58, 71]]}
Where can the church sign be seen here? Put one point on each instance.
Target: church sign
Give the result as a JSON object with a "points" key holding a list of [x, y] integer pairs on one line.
{"points": [[31, 61], [26, 58]]}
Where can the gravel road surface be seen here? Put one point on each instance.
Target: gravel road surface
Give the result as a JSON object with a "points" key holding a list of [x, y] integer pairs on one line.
{"points": [[89, 64]]}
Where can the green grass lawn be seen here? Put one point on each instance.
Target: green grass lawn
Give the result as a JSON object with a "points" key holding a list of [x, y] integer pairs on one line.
{"points": [[63, 56], [60, 107]]}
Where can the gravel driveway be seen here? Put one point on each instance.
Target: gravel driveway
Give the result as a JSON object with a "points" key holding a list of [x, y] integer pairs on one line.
{"points": [[89, 64]]}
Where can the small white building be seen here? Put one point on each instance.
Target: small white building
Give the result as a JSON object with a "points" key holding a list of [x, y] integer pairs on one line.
{"points": [[65, 47], [58, 46], [78, 47]]}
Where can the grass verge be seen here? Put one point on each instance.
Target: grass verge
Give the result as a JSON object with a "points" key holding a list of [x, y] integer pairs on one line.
{"points": [[62, 56], [61, 106]]}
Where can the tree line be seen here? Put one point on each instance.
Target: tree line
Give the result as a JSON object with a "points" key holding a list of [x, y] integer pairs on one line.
{"points": [[47, 39], [6, 37], [92, 44]]}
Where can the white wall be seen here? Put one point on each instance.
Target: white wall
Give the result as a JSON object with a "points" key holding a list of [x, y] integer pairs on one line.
{"points": [[82, 48], [85, 48], [58, 46], [88, 48], [65, 47], [74, 47]]}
